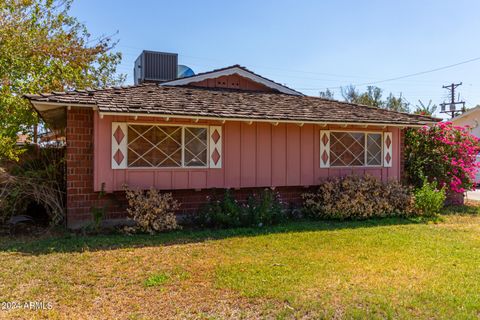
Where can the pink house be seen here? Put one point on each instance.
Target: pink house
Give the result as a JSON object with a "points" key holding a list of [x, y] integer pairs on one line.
{"points": [[228, 128]]}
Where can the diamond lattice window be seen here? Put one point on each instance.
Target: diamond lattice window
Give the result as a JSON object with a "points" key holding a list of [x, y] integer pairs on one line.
{"points": [[166, 146], [355, 149], [196, 147], [374, 149]]}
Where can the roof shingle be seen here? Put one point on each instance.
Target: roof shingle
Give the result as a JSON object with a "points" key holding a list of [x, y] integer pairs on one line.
{"points": [[188, 101]]}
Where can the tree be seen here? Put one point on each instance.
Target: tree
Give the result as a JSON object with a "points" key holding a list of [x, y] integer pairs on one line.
{"points": [[44, 49], [350, 93], [373, 97], [327, 94], [396, 104], [425, 110]]}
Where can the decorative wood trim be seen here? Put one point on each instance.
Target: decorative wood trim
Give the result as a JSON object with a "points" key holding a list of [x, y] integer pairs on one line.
{"points": [[230, 71], [215, 152], [387, 149], [119, 145], [324, 149]]}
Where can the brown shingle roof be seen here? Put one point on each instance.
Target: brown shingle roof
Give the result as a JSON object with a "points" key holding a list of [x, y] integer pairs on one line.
{"points": [[187, 101]]}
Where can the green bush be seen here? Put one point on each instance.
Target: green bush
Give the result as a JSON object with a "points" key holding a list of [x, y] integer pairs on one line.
{"points": [[258, 210], [429, 199], [354, 197]]}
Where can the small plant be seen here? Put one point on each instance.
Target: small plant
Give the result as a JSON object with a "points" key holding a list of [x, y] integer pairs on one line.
{"points": [[429, 200], [157, 280], [356, 197], [98, 213], [152, 211], [163, 277]]}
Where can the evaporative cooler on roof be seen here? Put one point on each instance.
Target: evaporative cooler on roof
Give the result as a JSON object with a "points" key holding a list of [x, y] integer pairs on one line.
{"points": [[152, 66]]}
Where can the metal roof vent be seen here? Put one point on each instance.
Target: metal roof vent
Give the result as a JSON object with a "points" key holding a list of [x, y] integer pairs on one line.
{"points": [[153, 66]]}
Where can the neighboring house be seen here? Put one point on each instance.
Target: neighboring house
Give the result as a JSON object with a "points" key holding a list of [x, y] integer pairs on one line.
{"points": [[228, 128], [470, 118]]}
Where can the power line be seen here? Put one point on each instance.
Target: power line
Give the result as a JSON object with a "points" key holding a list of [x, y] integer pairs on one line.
{"points": [[331, 74], [256, 66], [412, 74]]}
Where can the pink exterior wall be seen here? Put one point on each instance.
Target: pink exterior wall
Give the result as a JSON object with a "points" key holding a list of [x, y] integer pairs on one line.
{"points": [[256, 155]]}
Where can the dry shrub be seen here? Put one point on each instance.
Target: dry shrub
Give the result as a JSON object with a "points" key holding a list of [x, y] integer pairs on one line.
{"points": [[39, 177], [151, 210], [354, 197]]}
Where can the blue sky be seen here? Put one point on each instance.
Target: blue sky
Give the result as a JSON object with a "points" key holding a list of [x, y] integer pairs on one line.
{"points": [[307, 45]]}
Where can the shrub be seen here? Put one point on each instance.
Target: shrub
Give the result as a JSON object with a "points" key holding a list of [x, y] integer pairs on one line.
{"points": [[258, 210], [356, 197], [152, 211], [443, 152], [38, 178], [429, 199]]}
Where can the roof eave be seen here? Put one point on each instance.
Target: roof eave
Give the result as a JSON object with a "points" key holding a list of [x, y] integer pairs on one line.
{"points": [[269, 120]]}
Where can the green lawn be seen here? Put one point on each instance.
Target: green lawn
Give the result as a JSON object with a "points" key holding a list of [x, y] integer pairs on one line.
{"points": [[390, 268]]}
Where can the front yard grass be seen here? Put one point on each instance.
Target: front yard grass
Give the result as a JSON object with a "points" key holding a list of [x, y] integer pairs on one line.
{"points": [[389, 268]]}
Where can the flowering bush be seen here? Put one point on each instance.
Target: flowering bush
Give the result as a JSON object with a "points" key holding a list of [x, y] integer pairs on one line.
{"points": [[444, 153], [354, 197]]}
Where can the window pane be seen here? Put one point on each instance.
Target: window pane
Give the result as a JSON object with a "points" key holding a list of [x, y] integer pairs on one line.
{"points": [[139, 142], [374, 149], [195, 147], [347, 149], [154, 146], [169, 147]]}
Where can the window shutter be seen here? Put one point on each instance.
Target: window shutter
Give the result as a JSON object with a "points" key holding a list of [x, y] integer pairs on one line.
{"points": [[119, 145], [387, 149], [324, 149], [215, 147]]}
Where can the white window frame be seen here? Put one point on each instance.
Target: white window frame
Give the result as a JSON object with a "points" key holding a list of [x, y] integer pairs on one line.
{"points": [[365, 165], [182, 126]]}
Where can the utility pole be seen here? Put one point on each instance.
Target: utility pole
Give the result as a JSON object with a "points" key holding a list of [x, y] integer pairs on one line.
{"points": [[452, 105]]}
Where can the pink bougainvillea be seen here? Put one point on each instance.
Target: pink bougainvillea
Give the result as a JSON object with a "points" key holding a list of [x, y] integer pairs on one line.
{"points": [[445, 153]]}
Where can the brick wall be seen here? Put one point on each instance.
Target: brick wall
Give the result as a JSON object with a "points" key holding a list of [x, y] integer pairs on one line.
{"points": [[81, 197], [79, 163]]}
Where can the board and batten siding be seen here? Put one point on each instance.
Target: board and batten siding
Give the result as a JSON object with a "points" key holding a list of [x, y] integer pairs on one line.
{"points": [[254, 155]]}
